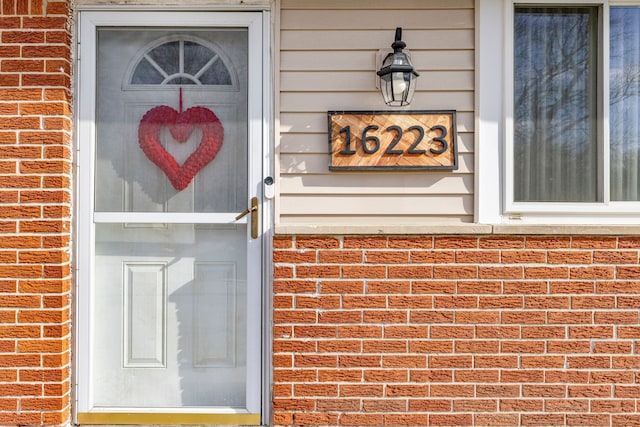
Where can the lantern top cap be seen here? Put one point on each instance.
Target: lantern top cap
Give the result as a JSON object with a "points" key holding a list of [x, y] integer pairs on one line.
{"points": [[398, 44]]}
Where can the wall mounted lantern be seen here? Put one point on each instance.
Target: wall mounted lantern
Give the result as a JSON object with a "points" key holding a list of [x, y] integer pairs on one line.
{"points": [[397, 75]]}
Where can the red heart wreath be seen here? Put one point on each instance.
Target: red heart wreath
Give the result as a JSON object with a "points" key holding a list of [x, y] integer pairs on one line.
{"points": [[181, 125]]}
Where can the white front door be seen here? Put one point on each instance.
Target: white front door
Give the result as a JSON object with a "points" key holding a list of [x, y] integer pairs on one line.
{"points": [[170, 152]]}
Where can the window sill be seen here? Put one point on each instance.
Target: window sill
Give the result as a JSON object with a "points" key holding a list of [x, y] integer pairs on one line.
{"points": [[546, 229], [382, 229], [456, 229]]}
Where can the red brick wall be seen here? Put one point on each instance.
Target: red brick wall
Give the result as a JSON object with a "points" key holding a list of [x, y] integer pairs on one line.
{"points": [[35, 212], [456, 330]]}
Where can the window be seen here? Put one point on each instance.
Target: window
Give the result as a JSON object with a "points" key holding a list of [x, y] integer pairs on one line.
{"points": [[183, 61], [567, 125], [554, 104], [624, 102]]}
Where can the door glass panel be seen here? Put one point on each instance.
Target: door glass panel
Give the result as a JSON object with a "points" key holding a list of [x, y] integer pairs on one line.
{"points": [[169, 303], [179, 97]]}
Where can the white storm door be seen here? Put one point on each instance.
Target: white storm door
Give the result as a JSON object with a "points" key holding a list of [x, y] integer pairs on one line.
{"points": [[170, 152]]}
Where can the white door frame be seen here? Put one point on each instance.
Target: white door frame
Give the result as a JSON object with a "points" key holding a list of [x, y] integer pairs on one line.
{"points": [[259, 131]]}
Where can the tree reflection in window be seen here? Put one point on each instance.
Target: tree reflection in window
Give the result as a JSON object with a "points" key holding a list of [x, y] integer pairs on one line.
{"points": [[624, 98], [181, 62], [555, 104]]}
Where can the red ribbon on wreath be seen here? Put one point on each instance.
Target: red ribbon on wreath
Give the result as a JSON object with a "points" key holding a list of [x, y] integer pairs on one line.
{"points": [[181, 125]]}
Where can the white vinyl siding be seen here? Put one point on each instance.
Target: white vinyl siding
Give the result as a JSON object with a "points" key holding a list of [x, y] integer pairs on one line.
{"points": [[327, 61]]}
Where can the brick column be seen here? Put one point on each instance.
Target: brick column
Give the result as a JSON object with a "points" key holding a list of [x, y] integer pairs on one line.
{"points": [[35, 216]]}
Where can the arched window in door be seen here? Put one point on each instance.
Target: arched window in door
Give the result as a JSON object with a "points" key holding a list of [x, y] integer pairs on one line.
{"points": [[183, 60]]}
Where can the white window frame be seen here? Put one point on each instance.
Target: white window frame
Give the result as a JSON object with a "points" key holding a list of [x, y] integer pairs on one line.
{"points": [[494, 125]]}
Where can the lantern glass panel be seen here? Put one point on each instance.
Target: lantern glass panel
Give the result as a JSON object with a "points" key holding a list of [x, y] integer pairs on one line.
{"points": [[398, 83]]}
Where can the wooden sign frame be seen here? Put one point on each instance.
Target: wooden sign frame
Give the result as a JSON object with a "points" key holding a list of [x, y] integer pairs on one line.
{"points": [[395, 140]]}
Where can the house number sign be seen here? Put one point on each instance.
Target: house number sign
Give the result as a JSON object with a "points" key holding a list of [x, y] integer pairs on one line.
{"points": [[392, 140]]}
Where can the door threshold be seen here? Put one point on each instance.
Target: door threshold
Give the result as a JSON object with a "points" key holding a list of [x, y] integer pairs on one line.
{"points": [[180, 419]]}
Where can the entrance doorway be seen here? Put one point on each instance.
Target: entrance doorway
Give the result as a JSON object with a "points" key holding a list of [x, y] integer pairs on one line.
{"points": [[170, 271]]}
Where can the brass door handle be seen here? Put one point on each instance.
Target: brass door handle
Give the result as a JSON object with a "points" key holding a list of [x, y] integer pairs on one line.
{"points": [[253, 210]]}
